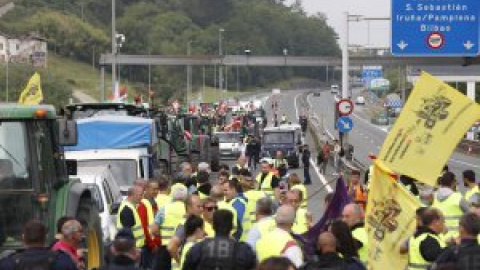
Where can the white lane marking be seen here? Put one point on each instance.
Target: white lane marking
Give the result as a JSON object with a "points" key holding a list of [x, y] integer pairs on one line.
{"points": [[386, 131], [315, 168]]}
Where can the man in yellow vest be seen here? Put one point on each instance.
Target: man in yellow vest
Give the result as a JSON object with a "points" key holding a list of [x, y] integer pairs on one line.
{"points": [[352, 214], [265, 221], [217, 194], [167, 220], [252, 195], [128, 216], [266, 180], [303, 219], [425, 245], [163, 196], [451, 203], [469, 183], [231, 190], [146, 211], [193, 206], [279, 242], [209, 207]]}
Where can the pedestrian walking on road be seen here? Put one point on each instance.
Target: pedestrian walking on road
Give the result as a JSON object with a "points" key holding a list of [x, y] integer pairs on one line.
{"points": [[323, 157], [306, 165]]}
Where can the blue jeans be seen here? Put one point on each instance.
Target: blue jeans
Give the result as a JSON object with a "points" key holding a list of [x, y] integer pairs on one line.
{"points": [[306, 175]]}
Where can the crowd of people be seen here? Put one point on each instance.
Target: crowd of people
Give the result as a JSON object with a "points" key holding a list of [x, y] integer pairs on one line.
{"points": [[242, 221]]}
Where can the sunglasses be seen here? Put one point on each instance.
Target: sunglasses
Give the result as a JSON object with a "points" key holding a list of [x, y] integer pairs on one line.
{"points": [[211, 208]]}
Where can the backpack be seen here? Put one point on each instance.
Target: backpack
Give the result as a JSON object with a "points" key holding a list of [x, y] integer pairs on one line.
{"points": [[42, 261]]}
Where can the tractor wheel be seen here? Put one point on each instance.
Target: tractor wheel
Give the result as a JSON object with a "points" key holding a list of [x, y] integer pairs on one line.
{"points": [[87, 214]]}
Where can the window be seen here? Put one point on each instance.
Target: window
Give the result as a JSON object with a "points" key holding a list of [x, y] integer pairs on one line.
{"points": [[108, 192], [124, 171], [97, 196]]}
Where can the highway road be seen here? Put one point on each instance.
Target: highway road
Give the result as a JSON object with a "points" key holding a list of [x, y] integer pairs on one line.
{"points": [[368, 138]]}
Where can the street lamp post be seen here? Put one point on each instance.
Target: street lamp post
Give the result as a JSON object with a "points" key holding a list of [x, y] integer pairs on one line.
{"points": [[114, 49], [220, 67], [189, 76], [285, 54], [120, 39], [7, 60]]}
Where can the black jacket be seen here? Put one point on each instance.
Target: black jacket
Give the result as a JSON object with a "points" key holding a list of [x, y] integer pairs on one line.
{"points": [[306, 157], [463, 256], [121, 263], [331, 261], [430, 249], [62, 260]]}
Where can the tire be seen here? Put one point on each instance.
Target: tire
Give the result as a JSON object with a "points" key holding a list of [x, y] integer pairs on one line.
{"points": [[87, 214]]}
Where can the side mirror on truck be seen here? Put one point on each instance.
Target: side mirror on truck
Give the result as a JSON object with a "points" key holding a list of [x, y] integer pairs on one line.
{"points": [[67, 132]]}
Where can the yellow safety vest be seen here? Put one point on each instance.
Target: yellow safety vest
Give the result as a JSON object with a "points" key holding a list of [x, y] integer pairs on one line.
{"points": [[450, 208], [266, 225], [208, 227], [361, 235], [162, 200], [302, 189], [253, 196], [471, 192], [188, 245], [415, 259], [301, 225], [137, 229], [226, 206], [266, 185], [245, 219], [150, 213], [174, 215], [273, 243]]}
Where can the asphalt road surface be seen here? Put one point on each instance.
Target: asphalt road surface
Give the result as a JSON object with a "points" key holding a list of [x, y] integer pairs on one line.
{"points": [[368, 138]]}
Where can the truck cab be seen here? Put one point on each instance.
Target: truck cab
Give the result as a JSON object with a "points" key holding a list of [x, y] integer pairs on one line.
{"points": [[284, 139]]}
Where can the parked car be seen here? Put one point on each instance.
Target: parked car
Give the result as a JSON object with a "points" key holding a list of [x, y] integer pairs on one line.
{"points": [[380, 119], [230, 143], [106, 193], [360, 100], [334, 89]]}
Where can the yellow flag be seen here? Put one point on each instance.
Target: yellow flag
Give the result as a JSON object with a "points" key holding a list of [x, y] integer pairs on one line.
{"points": [[389, 220], [433, 121], [32, 94]]}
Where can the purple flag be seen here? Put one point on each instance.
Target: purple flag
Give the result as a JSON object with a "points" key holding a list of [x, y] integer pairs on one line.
{"points": [[334, 210]]}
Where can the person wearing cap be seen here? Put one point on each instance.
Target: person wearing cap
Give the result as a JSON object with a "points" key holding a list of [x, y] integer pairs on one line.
{"points": [[279, 241], [167, 220], [124, 253], [469, 183], [266, 180]]}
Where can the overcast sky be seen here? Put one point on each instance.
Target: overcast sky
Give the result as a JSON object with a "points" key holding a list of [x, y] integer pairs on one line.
{"points": [[333, 9]]}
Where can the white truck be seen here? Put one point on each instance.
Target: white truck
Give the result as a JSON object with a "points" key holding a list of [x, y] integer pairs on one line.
{"points": [[124, 143]]}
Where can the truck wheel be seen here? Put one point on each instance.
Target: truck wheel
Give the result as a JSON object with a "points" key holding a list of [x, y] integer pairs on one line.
{"points": [[87, 214]]}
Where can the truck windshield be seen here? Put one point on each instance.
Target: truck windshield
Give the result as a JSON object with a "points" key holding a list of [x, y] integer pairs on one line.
{"points": [[278, 137], [13, 156], [123, 170], [16, 204]]}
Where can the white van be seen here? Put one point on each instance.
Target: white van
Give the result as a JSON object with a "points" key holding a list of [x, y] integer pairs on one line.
{"points": [[126, 165], [106, 193]]}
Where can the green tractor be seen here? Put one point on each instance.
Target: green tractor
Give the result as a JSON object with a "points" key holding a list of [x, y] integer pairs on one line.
{"points": [[34, 182]]}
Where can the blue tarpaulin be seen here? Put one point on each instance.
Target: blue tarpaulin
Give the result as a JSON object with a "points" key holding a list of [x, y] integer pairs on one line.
{"points": [[113, 132]]}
